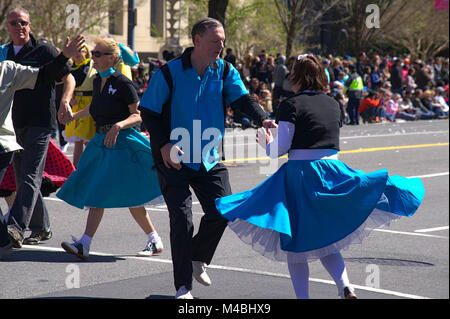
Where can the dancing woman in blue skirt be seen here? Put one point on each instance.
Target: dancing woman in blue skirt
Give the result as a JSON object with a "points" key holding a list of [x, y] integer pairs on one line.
{"points": [[315, 205], [116, 168]]}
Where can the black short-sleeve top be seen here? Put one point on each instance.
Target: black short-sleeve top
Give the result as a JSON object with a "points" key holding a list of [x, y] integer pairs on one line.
{"points": [[317, 120], [110, 105]]}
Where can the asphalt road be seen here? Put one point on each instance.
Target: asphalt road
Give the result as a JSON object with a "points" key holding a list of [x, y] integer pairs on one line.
{"points": [[408, 260]]}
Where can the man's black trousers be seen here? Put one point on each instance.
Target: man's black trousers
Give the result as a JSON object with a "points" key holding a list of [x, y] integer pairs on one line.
{"points": [[207, 187]]}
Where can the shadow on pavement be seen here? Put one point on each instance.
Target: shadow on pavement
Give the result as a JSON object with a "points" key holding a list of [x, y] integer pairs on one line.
{"points": [[19, 255]]}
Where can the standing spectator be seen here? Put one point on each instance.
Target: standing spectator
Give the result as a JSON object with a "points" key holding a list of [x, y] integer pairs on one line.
{"points": [[397, 77], [424, 77], [326, 64], [376, 61], [261, 72], [279, 74], [329, 70], [254, 66], [337, 68], [360, 63], [437, 69], [409, 81], [139, 80], [342, 77], [445, 72], [270, 66], [33, 117], [246, 69], [230, 57], [405, 70], [366, 77], [375, 78], [354, 86]]}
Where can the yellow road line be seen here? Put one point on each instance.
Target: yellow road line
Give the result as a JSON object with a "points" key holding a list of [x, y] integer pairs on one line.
{"points": [[362, 150]]}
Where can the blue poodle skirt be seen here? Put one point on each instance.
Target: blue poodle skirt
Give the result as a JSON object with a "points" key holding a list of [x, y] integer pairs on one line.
{"points": [[310, 209], [113, 177]]}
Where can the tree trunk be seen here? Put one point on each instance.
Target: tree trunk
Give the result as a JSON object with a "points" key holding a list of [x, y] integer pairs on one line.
{"points": [[217, 9]]}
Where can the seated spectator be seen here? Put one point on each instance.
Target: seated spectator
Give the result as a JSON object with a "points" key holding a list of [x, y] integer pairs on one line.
{"points": [[265, 98], [418, 104], [428, 101], [229, 118], [393, 110], [409, 106], [440, 99], [370, 108], [254, 86]]}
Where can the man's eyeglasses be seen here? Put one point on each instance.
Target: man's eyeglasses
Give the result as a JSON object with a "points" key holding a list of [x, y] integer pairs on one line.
{"points": [[16, 23], [98, 54]]}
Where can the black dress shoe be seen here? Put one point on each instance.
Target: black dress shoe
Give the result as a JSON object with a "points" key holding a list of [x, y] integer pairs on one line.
{"points": [[38, 236]]}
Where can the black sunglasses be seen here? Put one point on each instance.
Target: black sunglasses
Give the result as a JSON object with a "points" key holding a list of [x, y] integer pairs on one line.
{"points": [[98, 54], [16, 23]]}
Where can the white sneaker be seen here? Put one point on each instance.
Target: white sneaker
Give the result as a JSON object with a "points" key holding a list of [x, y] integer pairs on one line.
{"points": [[76, 248], [152, 248], [199, 273], [65, 148], [183, 293]]}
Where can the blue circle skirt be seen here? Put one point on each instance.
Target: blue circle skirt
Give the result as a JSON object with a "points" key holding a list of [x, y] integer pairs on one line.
{"points": [[113, 177], [310, 209]]}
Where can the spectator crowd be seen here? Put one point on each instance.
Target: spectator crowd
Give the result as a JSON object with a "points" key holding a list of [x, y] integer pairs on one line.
{"points": [[371, 89]]}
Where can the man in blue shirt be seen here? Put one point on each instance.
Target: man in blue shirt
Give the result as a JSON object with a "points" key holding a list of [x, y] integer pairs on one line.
{"points": [[185, 118]]}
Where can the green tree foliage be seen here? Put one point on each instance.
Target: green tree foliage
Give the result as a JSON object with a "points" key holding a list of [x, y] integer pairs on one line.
{"points": [[52, 20]]}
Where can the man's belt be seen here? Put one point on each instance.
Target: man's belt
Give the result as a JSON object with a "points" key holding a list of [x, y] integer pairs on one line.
{"points": [[103, 129], [82, 93]]}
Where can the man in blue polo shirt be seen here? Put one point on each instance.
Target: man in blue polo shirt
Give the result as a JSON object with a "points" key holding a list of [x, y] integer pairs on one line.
{"points": [[185, 118]]}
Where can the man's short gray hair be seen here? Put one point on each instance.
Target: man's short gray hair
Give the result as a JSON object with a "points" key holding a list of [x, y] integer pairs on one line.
{"points": [[203, 25], [17, 10]]}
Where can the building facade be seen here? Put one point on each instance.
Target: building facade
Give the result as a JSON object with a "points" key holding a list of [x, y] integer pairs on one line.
{"points": [[159, 27]]}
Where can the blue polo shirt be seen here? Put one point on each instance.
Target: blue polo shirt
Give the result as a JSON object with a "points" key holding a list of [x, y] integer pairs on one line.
{"points": [[197, 116]]}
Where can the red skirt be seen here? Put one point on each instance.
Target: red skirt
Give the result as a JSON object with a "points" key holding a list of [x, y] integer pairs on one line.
{"points": [[56, 171]]}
